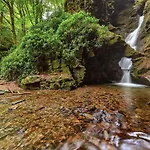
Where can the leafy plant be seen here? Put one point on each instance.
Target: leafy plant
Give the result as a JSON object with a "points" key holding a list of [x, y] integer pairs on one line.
{"points": [[77, 32], [63, 36], [38, 46]]}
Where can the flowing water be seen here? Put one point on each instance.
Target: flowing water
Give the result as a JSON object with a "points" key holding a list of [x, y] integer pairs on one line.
{"points": [[126, 64], [136, 137], [132, 38]]}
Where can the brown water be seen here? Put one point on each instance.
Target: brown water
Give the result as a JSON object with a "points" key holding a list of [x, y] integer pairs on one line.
{"points": [[138, 101], [91, 117], [135, 135]]}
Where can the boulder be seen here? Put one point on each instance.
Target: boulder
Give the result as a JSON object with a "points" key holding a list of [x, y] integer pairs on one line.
{"points": [[53, 81], [103, 67]]}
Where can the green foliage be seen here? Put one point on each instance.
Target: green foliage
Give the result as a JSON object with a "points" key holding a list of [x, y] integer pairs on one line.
{"points": [[53, 21], [63, 36], [38, 46], [77, 32], [17, 64]]}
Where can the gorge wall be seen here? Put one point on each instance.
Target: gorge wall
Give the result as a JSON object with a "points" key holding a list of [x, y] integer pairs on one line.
{"points": [[121, 16]]}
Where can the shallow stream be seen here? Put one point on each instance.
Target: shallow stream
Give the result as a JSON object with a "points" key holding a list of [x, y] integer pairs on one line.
{"points": [[132, 136], [90, 117]]}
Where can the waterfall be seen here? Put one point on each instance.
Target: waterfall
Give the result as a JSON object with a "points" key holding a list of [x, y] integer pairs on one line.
{"points": [[126, 65], [131, 39]]}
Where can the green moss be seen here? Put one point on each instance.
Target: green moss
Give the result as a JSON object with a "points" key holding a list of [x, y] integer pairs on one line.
{"points": [[31, 82], [79, 74], [129, 52], [114, 39], [73, 6], [54, 86], [139, 3]]}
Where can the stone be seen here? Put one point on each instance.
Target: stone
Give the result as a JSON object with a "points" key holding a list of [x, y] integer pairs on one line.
{"points": [[53, 81]]}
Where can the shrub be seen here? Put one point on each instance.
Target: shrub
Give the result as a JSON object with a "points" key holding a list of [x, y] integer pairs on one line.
{"points": [[37, 47], [62, 36], [78, 32]]}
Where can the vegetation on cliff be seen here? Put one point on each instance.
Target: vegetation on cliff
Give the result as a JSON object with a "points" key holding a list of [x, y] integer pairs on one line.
{"points": [[63, 36], [72, 41]]}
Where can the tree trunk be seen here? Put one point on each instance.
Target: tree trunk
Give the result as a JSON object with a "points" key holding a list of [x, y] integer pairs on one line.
{"points": [[1, 19], [22, 16], [12, 20]]}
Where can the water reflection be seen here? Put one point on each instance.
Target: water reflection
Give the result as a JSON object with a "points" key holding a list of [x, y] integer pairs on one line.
{"points": [[137, 100], [102, 136], [85, 142]]}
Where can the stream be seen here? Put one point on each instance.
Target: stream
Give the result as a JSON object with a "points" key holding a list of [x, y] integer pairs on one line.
{"points": [[91, 117], [119, 137]]}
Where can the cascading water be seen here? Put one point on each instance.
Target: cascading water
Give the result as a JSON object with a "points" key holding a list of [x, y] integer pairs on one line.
{"points": [[131, 39], [126, 64]]}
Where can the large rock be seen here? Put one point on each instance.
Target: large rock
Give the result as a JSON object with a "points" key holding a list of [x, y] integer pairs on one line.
{"points": [[144, 42], [103, 66], [118, 14], [141, 67], [53, 82]]}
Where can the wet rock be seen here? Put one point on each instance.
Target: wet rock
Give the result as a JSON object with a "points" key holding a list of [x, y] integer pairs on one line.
{"points": [[88, 116], [148, 103], [65, 111], [99, 116], [102, 116]]}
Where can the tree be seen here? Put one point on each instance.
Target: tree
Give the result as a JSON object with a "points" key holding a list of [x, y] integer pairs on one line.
{"points": [[10, 6], [20, 15]]}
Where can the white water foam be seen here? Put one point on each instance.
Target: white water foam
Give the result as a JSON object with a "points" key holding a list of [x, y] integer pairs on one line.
{"points": [[130, 85], [126, 64]]}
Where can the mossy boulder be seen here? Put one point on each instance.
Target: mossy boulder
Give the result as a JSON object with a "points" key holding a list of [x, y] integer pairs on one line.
{"points": [[53, 81], [31, 82]]}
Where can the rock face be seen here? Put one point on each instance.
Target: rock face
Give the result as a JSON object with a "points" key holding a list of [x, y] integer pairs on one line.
{"points": [[144, 42], [103, 66], [121, 16], [142, 63], [118, 14]]}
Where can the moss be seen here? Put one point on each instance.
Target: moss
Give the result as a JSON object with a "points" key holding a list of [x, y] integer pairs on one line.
{"points": [[54, 86], [129, 52], [31, 82], [67, 84], [78, 74], [53, 82], [147, 7], [77, 5], [139, 5], [115, 39]]}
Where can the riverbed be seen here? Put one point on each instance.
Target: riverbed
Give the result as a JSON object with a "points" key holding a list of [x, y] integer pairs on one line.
{"points": [[46, 119]]}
